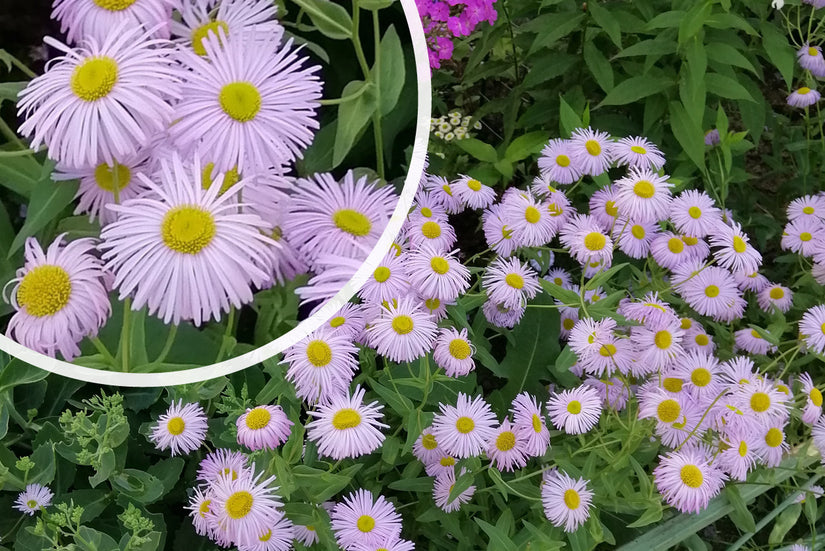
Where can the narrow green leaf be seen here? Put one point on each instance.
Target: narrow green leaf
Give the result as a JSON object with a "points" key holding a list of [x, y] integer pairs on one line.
{"points": [[607, 22], [688, 134], [599, 66], [393, 71], [634, 89], [499, 540], [740, 514], [525, 145], [779, 50], [375, 4], [658, 46], [694, 20], [353, 116], [48, 199], [330, 18], [569, 120], [553, 30], [478, 149], [725, 87], [727, 54]]}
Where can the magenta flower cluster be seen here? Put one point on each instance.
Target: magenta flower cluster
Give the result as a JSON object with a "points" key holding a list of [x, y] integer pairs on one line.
{"points": [[444, 20]]}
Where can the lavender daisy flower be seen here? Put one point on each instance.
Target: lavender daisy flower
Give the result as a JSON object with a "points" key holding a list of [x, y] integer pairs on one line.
{"points": [[263, 428], [388, 544], [566, 500], [426, 448], [500, 315], [818, 435], [363, 519], [436, 273], [442, 487], [738, 457], [803, 97], [798, 235], [761, 401], [35, 498], [556, 162], [222, 462], [777, 296], [586, 239], [528, 421], [506, 448], [811, 207], [473, 193], [402, 332], [182, 428], [560, 277], [643, 195], [668, 250], [321, 365], [613, 392], [124, 77], [233, 17], [701, 373], [810, 58], [453, 352], [59, 296], [651, 311], [389, 281], [772, 444], [463, 430], [81, 19], [575, 411], [712, 137], [658, 347], [711, 292], [349, 321], [638, 152], [277, 537], [347, 221], [591, 150], [694, 213], [346, 427], [812, 328], [425, 206], [171, 250], [441, 191], [659, 404], [243, 508], [559, 207], [200, 509], [587, 336], [813, 399], [635, 237], [603, 206], [531, 224], [306, 535], [439, 234], [232, 96], [687, 480], [497, 232], [510, 282]]}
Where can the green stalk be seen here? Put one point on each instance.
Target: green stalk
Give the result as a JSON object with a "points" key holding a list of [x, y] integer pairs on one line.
{"points": [[103, 351], [170, 340], [124, 334], [376, 116]]}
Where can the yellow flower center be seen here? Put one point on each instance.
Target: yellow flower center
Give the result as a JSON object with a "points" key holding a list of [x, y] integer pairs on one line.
{"points": [[644, 189], [532, 215], [701, 339], [114, 5], [711, 291], [240, 100], [346, 418], [672, 384], [431, 230], [176, 426], [258, 418], [230, 178], [638, 149], [514, 280], [563, 161], [739, 244], [675, 245], [239, 504], [805, 236], [446, 461], [816, 397], [808, 210], [439, 265], [774, 437], [610, 208], [432, 304], [686, 323], [506, 441], [319, 353], [230, 472], [459, 349], [365, 523], [426, 212], [44, 291], [381, 274], [536, 423], [574, 407], [593, 147], [760, 402], [188, 230], [743, 448], [568, 323], [428, 441], [352, 222], [572, 499], [638, 231], [204, 507], [691, 476], [663, 339], [804, 91], [594, 241], [94, 78], [812, 51], [700, 377], [668, 410], [105, 176], [691, 241], [337, 321], [447, 190], [777, 293], [402, 324], [474, 185], [607, 350], [465, 425], [266, 536], [201, 32], [695, 212]]}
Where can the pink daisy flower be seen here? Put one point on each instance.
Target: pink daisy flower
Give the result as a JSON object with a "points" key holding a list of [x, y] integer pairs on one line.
{"points": [[473, 193], [426, 448], [810, 207], [733, 250], [668, 250], [402, 332], [658, 347], [711, 292], [529, 423], [441, 191], [651, 311], [439, 234], [510, 282], [687, 480], [497, 232], [263, 428], [575, 411], [346, 427], [443, 486], [775, 295], [586, 239], [603, 206], [35, 497], [798, 235], [528, 219], [560, 277], [634, 237], [445, 463], [506, 449], [812, 328], [82, 19], [643, 195], [278, 537], [245, 507], [739, 456], [588, 334], [557, 162], [559, 207], [803, 97], [638, 152], [465, 429], [760, 400], [591, 150], [453, 352], [364, 519], [321, 365], [566, 500], [222, 462], [813, 399], [348, 321], [182, 428], [772, 444], [694, 213], [390, 280], [701, 372], [200, 509], [436, 273]]}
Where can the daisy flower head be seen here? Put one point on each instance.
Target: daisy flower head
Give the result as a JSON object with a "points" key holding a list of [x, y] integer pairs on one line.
{"points": [[233, 17], [424, 206], [441, 191], [566, 500], [388, 544], [586, 239], [760, 400], [575, 411], [701, 372], [506, 448], [772, 444], [435, 308], [811, 207], [439, 234], [510, 282], [588, 335], [172, 250], [738, 456], [751, 282], [658, 347], [529, 422], [810, 58], [453, 352], [35, 497], [694, 213], [591, 150], [696, 247], [613, 392], [812, 328], [500, 315], [775, 295], [638, 152], [560, 277], [497, 231], [559, 207], [473, 193], [182, 428], [643, 195], [528, 219], [348, 321], [651, 311], [661, 404], [306, 535], [59, 297], [346, 427], [443, 464], [248, 103], [557, 162], [813, 399], [687, 480], [712, 137], [603, 206], [818, 272], [362, 518], [436, 273], [403, 331], [798, 235], [245, 507], [635, 237], [614, 354], [81, 19], [818, 435], [711, 292], [200, 509], [695, 337], [125, 77], [426, 448], [277, 537], [465, 429], [668, 250], [443, 486], [263, 427], [390, 280], [803, 97]]}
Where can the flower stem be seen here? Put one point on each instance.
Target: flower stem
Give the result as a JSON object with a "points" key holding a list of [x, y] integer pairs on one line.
{"points": [[170, 340], [101, 348], [124, 335]]}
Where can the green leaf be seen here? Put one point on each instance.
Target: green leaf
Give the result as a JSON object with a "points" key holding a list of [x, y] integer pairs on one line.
{"points": [[478, 149], [48, 199], [499, 540], [688, 134], [89, 539], [728, 55], [606, 21], [525, 145], [569, 119], [392, 71], [397, 401], [657, 46], [694, 20], [353, 116], [375, 4], [20, 174], [137, 485], [666, 20], [16, 372], [9, 90], [599, 66], [331, 19], [779, 51], [634, 89], [786, 520], [726, 87], [553, 27], [740, 514], [505, 167], [565, 296], [462, 483]]}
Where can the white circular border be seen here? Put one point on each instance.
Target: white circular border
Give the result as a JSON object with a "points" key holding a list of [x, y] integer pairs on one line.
{"points": [[422, 131]]}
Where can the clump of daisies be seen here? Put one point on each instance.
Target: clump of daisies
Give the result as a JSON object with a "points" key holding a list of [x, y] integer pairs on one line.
{"points": [[453, 126], [198, 116]]}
